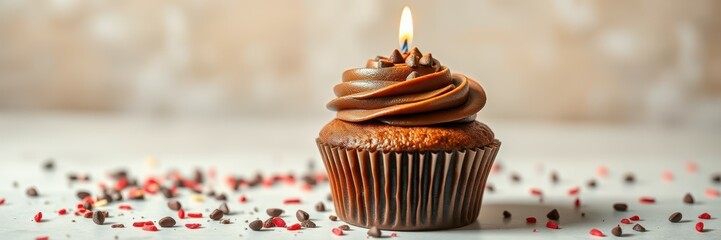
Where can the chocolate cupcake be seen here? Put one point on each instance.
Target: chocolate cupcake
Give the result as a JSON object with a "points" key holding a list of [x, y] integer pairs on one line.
{"points": [[405, 151]]}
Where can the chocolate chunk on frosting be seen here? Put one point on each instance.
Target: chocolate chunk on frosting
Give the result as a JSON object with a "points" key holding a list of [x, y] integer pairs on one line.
{"points": [[414, 91]]}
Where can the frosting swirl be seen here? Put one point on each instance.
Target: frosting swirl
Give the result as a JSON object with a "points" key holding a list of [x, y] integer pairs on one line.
{"points": [[407, 90]]}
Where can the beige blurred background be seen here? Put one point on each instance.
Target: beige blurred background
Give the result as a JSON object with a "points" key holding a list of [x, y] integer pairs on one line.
{"points": [[564, 60]]}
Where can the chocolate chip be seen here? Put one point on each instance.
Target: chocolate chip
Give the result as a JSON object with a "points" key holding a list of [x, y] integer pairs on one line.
{"points": [[554, 177], [412, 75], [416, 52], [301, 215], [382, 63], [225, 221], [216, 214], [553, 215], [374, 232], [507, 214], [688, 199], [256, 225], [166, 222], [269, 223], [629, 178], [344, 227], [118, 225], [412, 60], [622, 207], [320, 207], [307, 224], [174, 205], [224, 208], [98, 218], [333, 218], [426, 60], [274, 212], [380, 57], [591, 183], [716, 178], [616, 231], [639, 228], [396, 56], [515, 177], [49, 164], [675, 217], [31, 192], [82, 194]]}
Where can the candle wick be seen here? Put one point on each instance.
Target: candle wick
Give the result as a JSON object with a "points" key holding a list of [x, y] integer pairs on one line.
{"points": [[404, 47]]}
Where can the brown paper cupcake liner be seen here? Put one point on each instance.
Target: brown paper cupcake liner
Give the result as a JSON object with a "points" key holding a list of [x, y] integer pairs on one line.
{"points": [[408, 190]]}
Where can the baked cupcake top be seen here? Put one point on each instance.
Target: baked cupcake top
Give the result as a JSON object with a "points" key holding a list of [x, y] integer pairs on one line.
{"points": [[410, 89]]}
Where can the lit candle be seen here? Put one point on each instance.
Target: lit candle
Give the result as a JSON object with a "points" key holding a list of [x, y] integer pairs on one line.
{"points": [[405, 31]]}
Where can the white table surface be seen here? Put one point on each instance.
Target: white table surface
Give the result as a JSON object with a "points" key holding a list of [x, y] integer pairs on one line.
{"points": [[96, 144]]}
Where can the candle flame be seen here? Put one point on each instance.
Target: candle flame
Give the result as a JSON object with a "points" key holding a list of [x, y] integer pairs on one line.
{"points": [[405, 31]]}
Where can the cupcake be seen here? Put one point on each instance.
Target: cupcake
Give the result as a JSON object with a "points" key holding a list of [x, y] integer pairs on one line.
{"points": [[405, 151]]}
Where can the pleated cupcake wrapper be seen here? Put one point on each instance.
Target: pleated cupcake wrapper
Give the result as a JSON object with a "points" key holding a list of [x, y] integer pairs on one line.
{"points": [[408, 190]]}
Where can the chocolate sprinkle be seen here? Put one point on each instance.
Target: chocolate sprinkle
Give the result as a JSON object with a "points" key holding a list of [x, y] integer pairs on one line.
{"points": [[274, 212], [302, 215], [688, 199], [507, 214], [82, 194], [166, 222], [554, 177], [118, 225], [553, 215], [374, 232], [515, 177], [307, 224], [98, 218], [629, 178], [224, 208], [622, 207], [216, 215], [716, 178], [256, 225], [49, 165], [675, 217], [174, 205], [225, 221], [166, 192], [591, 183], [320, 207], [31, 192], [344, 227], [333, 218], [616, 231], [639, 228]]}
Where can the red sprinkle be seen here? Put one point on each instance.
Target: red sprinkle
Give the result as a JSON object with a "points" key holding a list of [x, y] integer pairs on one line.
{"points": [[42, 238], [39, 217], [2, 201], [192, 225], [242, 199], [125, 207], [181, 213], [635, 218], [710, 192], [195, 215], [337, 231], [278, 222], [691, 166], [394, 235], [551, 225], [577, 203], [648, 200], [667, 176], [573, 191], [699, 226], [536, 192], [151, 228], [62, 211], [602, 171], [625, 221], [138, 224], [291, 201], [121, 184], [535, 230], [530, 220], [596, 232], [704, 216], [495, 168], [294, 227]]}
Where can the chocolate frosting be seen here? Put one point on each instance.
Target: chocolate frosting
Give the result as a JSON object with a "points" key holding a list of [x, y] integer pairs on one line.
{"points": [[413, 91]]}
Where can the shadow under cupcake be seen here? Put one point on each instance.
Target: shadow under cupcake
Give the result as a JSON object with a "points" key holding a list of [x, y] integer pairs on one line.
{"points": [[405, 151]]}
